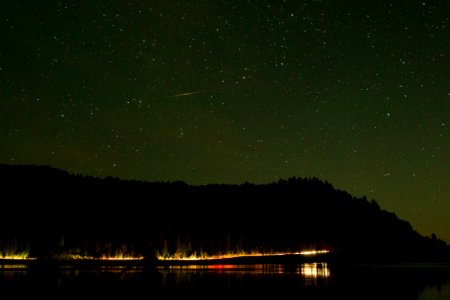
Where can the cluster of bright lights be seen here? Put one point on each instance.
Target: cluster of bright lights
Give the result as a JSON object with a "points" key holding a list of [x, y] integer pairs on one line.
{"points": [[236, 255], [120, 258], [110, 258], [313, 252], [74, 257]]}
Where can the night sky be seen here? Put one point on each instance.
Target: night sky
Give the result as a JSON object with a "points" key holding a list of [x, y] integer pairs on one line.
{"points": [[353, 92]]}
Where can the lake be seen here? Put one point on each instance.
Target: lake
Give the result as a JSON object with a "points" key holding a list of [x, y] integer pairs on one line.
{"points": [[305, 281]]}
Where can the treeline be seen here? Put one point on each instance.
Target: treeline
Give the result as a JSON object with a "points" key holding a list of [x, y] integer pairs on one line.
{"points": [[55, 214]]}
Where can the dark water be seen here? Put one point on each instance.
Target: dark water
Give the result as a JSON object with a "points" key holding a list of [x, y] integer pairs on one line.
{"points": [[302, 281]]}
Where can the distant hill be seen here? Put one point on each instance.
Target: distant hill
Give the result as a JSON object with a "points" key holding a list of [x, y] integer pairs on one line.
{"points": [[49, 212]]}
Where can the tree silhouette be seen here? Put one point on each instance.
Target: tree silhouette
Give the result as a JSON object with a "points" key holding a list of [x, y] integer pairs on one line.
{"points": [[106, 217]]}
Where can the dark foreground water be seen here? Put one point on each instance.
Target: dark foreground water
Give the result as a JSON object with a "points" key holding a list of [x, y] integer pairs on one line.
{"points": [[301, 281]]}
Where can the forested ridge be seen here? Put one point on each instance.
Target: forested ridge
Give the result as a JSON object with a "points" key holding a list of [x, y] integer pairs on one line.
{"points": [[49, 213]]}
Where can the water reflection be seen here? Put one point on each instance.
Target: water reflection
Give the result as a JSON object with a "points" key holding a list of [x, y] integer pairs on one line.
{"points": [[307, 270], [13, 267], [11, 273], [306, 274], [307, 279], [315, 270]]}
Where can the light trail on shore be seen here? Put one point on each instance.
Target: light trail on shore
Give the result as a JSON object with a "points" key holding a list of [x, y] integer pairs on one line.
{"points": [[237, 255]]}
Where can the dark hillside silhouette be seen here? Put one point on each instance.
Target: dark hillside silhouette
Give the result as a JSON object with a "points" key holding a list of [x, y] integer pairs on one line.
{"points": [[52, 213]]}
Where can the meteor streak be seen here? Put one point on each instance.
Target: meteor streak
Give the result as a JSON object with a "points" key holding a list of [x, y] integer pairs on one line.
{"points": [[187, 94]]}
